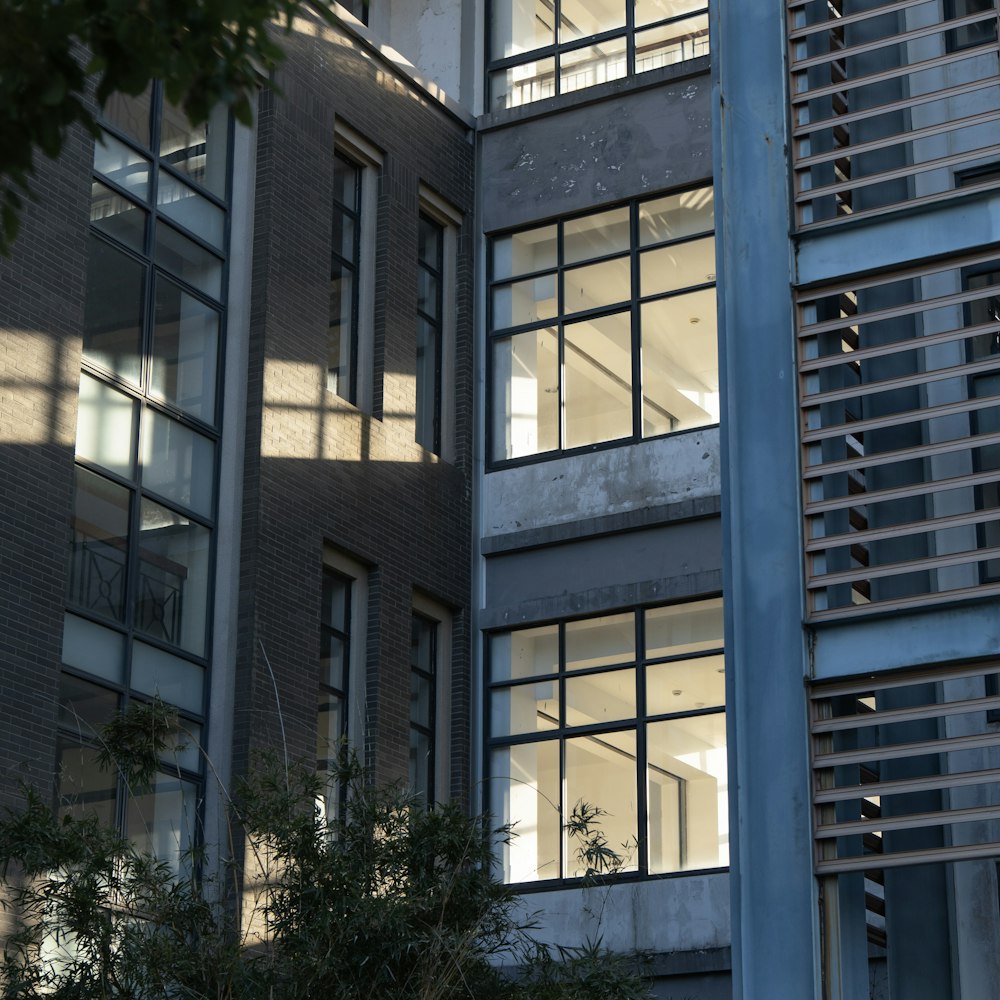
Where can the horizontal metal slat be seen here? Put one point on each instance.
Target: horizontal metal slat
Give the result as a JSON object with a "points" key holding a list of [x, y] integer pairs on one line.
{"points": [[886, 717], [823, 543], [930, 783], [902, 603], [963, 852], [911, 821], [834, 23], [900, 678], [897, 751]]}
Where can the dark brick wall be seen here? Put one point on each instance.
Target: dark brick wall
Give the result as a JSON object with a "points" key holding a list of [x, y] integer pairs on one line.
{"points": [[317, 469], [41, 319]]}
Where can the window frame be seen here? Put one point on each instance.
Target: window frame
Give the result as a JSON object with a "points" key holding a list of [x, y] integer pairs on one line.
{"points": [[557, 51], [352, 147], [428, 399], [562, 319], [428, 610], [562, 732]]}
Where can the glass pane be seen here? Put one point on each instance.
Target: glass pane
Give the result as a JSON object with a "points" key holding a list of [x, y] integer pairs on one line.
{"points": [[671, 43], [112, 324], [105, 426], [648, 11], [592, 65], [333, 661], [129, 114], [680, 363], [93, 648], [177, 462], [162, 821], [117, 216], [524, 301], [421, 700], [336, 600], [598, 642], [100, 542], [520, 25], [344, 242], [684, 628], [597, 285], [330, 729], [85, 789], [423, 643], [517, 85], [84, 707], [527, 708], [688, 792], [581, 18], [429, 243], [346, 182], [676, 216], [525, 394], [185, 349], [123, 165], [341, 335], [601, 773], [595, 236], [428, 292], [528, 652], [428, 385], [184, 747], [188, 261], [171, 593], [523, 253], [685, 685], [677, 266], [421, 768], [524, 791], [606, 697], [189, 209], [598, 380], [199, 151], [177, 681]]}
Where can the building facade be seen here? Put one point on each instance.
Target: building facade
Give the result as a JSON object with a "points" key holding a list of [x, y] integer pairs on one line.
{"points": [[581, 409]]}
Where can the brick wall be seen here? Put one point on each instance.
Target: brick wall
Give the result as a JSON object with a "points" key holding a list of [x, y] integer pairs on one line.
{"points": [[317, 469]]}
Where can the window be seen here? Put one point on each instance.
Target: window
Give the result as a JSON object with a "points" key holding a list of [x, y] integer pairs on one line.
{"points": [[978, 32], [430, 339], [359, 8], [343, 623], [603, 327], [430, 704], [148, 434], [349, 343], [423, 698], [541, 48], [624, 712]]}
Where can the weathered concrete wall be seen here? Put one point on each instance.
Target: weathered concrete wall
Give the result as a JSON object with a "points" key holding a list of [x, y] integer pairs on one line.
{"points": [[637, 138], [667, 470]]}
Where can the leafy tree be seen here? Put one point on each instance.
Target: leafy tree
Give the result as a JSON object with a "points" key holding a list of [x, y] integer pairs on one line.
{"points": [[384, 900], [206, 52]]}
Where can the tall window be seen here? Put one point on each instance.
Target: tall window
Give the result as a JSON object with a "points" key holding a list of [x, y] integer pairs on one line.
{"points": [[977, 33], [539, 48], [624, 713], [423, 707], [603, 327], [430, 338], [350, 358], [148, 434], [334, 680]]}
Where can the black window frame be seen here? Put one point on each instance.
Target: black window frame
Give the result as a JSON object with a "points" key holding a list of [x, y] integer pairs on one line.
{"points": [[430, 398], [632, 304], [339, 264], [423, 774]]}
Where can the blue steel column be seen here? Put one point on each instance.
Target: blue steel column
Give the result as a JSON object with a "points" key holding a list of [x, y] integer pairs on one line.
{"points": [[775, 916]]}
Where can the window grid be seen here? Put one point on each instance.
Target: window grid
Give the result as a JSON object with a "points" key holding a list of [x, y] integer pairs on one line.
{"points": [[580, 61], [648, 415], [430, 333], [559, 731], [334, 684], [345, 270], [423, 708]]}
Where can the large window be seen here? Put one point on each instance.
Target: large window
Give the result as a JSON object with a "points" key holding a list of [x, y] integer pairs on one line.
{"points": [[539, 48], [423, 706], [148, 435], [624, 713], [603, 327]]}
